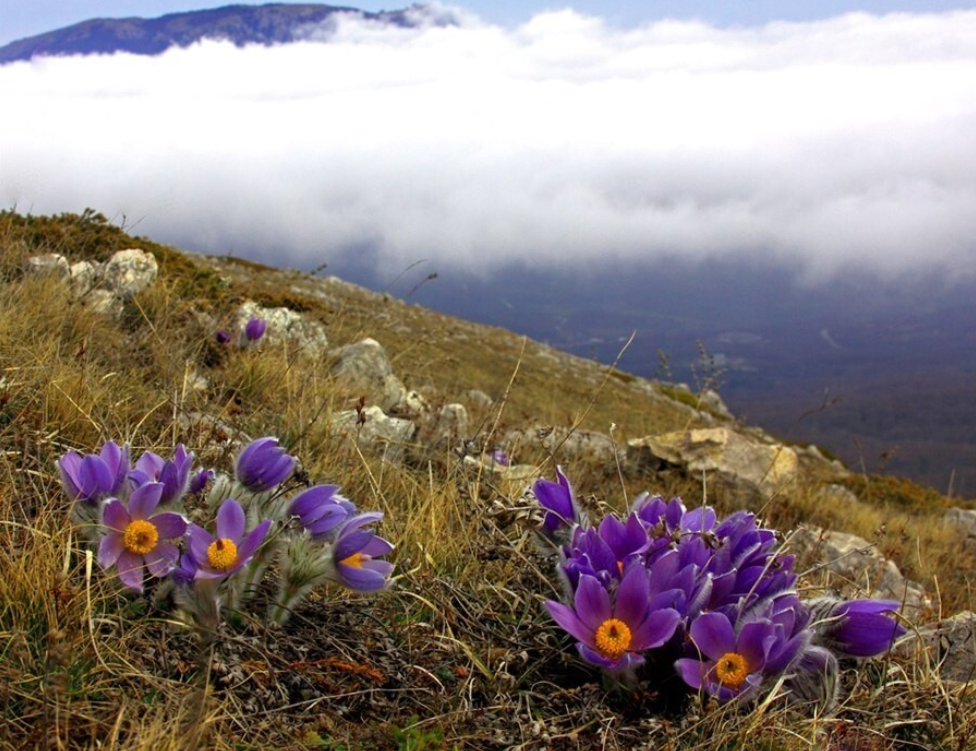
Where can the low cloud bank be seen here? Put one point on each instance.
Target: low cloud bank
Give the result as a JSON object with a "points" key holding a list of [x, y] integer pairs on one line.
{"points": [[837, 147]]}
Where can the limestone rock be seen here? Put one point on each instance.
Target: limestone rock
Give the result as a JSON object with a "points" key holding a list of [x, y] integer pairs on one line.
{"points": [[388, 435], [84, 277], [479, 399], [746, 463], [129, 272], [364, 369], [447, 428], [964, 520], [568, 446], [855, 568], [48, 263], [412, 405], [949, 644]]}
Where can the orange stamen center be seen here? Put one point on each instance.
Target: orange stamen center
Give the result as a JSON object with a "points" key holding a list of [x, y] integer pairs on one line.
{"points": [[355, 560], [731, 670], [140, 537], [612, 638], [222, 554]]}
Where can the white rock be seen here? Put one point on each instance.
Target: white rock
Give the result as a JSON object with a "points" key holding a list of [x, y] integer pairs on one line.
{"points": [[129, 272], [48, 263]]}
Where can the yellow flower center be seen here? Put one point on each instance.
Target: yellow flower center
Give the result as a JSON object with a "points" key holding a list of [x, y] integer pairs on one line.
{"points": [[222, 554], [731, 670], [140, 537], [612, 638], [355, 560]]}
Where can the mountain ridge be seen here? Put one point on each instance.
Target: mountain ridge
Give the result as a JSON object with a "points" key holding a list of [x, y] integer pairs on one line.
{"points": [[268, 24]]}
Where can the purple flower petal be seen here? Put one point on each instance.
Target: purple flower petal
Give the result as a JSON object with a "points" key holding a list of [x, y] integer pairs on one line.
{"points": [[592, 602], [69, 467], [713, 635], [200, 540], [162, 559], [377, 547], [692, 672], [95, 476], [753, 644], [230, 521], [633, 596], [144, 500], [656, 630], [350, 543], [567, 620], [129, 568], [311, 504], [361, 579], [253, 541], [169, 525], [115, 515], [109, 549]]}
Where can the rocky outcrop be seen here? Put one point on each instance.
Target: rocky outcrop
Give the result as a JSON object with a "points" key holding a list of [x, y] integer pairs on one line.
{"points": [[949, 646], [103, 286], [363, 369], [747, 467]]}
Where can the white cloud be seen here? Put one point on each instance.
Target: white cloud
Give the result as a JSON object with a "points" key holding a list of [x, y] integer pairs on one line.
{"points": [[837, 145]]}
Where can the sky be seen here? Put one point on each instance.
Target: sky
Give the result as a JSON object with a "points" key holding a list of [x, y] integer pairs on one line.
{"points": [[650, 131]]}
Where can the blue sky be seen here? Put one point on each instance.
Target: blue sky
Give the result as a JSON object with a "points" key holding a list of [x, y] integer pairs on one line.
{"points": [[831, 145], [22, 18]]}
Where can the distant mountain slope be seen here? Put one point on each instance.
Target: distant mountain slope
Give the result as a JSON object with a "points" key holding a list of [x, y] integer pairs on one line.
{"points": [[275, 23]]}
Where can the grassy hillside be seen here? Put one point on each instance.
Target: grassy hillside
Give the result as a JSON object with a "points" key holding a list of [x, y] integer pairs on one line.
{"points": [[459, 653]]}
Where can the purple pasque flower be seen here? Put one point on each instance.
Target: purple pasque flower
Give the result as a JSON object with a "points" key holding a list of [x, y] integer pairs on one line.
{"points": [[321, 510], [254, 329], [612, 632], [859, 628], [199, 480], [606, 552], [263, 464], [559, 501], [174, 474], [222, 337], [92, 477], [728, 665], [223, 554], [136, 537], [500, 458], [355, 553]]}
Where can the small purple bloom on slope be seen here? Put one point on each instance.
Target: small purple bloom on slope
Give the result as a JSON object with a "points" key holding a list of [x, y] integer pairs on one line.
{"points": [[321, 510], [254, 329], [263, 464], [355, 554], [559, 501], [92, 477], [859, 628]]}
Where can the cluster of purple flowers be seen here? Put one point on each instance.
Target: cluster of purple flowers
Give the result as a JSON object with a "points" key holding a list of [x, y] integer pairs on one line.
{"points": [[136, 515], [713, 599]]}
